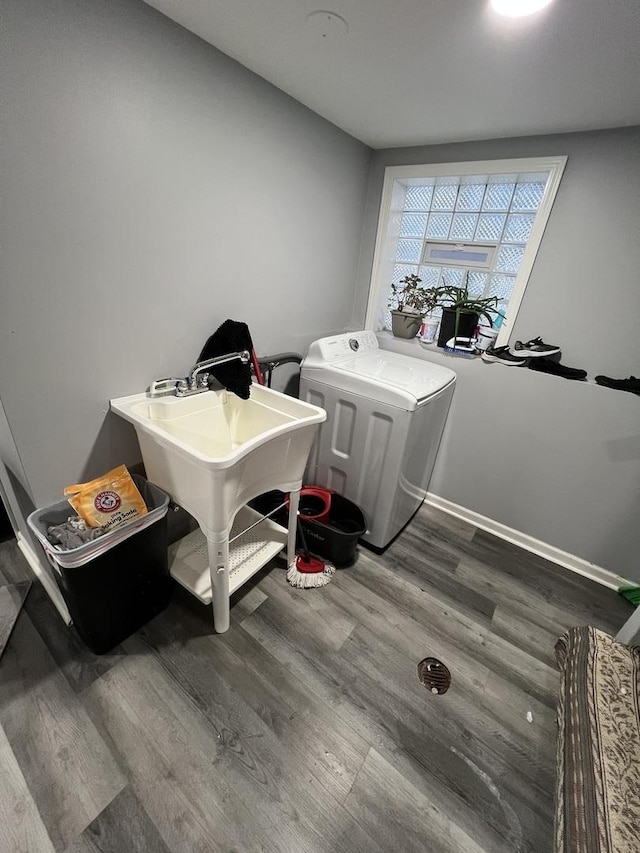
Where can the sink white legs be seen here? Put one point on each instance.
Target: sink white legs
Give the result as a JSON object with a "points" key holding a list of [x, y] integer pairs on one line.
{"points": [[219, 571], [220, 567]]}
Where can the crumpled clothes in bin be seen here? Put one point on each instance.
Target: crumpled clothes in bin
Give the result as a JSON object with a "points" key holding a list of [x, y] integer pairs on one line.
{"points": [[72, 533]]}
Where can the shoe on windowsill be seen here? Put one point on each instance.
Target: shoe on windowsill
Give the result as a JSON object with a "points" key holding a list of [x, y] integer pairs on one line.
{"points": [[548, 365], [503, 356], [535, 348], [631, 384]]}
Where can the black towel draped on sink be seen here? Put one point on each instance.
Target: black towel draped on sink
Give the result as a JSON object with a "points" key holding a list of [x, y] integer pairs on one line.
{"points": [[231, 336]]}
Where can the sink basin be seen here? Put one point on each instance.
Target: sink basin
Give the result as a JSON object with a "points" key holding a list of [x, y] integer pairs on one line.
{"points": [[213, 452]]}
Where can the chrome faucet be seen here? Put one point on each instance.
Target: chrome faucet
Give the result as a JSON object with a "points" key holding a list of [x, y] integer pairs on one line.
{"points": [[198, 379], [199, 376]]}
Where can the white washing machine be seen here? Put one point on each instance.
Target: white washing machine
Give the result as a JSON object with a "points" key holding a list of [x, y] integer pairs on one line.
{"points": [[385, 416]]}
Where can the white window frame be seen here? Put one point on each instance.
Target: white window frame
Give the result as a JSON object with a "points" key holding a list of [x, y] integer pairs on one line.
{"points": [[398, 178]]}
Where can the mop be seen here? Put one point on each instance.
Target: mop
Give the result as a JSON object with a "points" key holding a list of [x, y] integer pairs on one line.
{"points": [[306, 571]]}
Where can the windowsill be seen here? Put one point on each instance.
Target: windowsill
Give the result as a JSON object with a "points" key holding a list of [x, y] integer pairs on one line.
{"points": [[470, 366]]}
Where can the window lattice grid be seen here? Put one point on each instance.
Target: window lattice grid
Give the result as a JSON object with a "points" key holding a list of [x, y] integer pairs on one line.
{"points": [[413, 224], [509, 259], [518, 228], [444, 197], [527, 196], [497, 209], [402, 270], [430, 275], [418, 198], [439, 226], [470, 197], [463, 226], [490, 227], [409, 250], [501, 286], [498, 197]]}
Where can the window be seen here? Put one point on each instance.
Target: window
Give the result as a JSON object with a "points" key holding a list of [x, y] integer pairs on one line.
{"points": [[463, 255], [481, 220]]}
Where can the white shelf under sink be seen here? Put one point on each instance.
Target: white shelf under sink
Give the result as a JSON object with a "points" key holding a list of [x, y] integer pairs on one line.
{"points": [[189, 558]]}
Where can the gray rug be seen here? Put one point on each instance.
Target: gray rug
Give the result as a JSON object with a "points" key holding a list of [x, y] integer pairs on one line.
{"points": [[12, 597]]}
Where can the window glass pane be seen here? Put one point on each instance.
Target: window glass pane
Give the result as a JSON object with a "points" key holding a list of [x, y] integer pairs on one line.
{"points": [[452, 277], [430, 275], [413, 224], [498, 197], [527, 196], [439, 224], [418, 198], [470, 197], [509, 258], [409, 250], [477, 281], [463, 226], [501, 286], [490, 226], [444, 197], [518, 228], [401, 270]]}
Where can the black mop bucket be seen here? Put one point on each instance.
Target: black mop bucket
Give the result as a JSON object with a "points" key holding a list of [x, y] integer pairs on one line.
{"points": [[337, 539], [332, 523]]}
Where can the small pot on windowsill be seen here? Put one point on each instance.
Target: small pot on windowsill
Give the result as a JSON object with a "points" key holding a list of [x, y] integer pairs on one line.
{"points": [[466, 322], [405, 324]]}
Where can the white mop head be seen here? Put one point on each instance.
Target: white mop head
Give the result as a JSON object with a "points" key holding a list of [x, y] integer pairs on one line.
{"points": [[309, 580]]}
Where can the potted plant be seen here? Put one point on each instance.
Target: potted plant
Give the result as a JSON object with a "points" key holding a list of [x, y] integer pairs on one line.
{"points": [[409, 302], [461, 311]]}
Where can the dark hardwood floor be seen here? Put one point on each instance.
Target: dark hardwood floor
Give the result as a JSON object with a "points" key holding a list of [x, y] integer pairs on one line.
{"points": [[304, 728]]}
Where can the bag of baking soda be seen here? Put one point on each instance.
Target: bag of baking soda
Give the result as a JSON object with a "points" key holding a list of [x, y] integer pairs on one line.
{"points": [[107, 501]]}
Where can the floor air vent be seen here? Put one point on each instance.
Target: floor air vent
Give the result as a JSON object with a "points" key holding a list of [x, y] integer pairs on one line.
{"points": [[434, 675]]}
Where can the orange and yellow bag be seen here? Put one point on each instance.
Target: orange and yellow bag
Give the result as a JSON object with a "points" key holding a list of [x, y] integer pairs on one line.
{"points": [[107, 501]]}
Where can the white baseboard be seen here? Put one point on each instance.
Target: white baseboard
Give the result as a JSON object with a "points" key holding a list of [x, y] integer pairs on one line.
{"points": [[51, 588], [535, 546]]}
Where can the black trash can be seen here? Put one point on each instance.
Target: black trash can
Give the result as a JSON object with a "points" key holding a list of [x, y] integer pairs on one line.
{"points": [[335, 540], [115, 584]]}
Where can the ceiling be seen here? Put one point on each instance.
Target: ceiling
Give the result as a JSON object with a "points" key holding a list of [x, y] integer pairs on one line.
{"points": [[412, 72]]}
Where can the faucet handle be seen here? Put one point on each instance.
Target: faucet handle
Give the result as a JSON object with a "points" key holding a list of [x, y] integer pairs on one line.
{"points": [[168, 385], [202, 381]]}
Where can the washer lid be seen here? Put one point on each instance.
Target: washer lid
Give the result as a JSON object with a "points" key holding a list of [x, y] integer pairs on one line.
{"points": [[388, 377]]}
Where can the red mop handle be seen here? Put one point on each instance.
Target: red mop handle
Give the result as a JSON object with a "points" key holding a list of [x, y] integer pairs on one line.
{"points": [[256, 367]]}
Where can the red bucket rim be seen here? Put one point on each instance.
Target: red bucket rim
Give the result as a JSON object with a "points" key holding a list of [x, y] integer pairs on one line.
{"points": [[322, 494]]}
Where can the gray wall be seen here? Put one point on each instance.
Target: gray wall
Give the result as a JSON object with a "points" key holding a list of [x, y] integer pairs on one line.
{"points": [[555, 459], [151, 188]]}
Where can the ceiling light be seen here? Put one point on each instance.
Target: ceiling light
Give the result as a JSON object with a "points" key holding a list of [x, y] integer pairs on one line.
{"points": [[518, 8]]}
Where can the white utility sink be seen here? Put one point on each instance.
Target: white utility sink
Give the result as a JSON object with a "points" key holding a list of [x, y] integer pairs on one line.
{"points": [[213, 452]]}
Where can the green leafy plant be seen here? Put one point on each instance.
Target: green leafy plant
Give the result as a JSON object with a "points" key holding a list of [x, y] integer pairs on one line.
{"points": [[408, 295], [461, 302]]}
